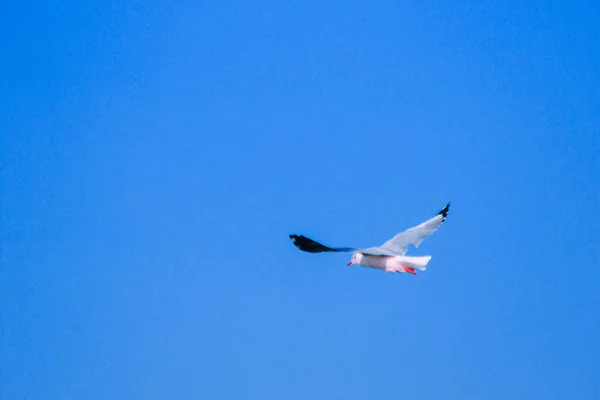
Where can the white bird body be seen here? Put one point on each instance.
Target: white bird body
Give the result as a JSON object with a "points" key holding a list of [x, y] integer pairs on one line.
{"points": [[390, 256]]}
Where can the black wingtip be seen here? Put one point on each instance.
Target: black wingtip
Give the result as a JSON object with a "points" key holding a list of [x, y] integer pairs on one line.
{"points": [[305, 244], [444, 212], [294, 239]]}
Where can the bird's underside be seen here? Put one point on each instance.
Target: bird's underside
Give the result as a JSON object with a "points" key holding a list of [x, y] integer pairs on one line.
{"points": [[396, 246]]}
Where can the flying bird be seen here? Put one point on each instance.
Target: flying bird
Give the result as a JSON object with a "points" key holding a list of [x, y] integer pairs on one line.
{"points": [[390, 257]]}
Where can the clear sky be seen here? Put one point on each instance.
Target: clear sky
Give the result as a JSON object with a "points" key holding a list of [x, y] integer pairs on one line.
{"points": [[155, 155]]}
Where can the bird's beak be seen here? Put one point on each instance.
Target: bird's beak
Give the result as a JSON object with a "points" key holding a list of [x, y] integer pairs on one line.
{"points": [[350, 263]]}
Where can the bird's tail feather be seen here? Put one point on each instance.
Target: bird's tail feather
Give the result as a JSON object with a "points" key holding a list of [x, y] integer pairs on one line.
{"points": [[419, 263]]}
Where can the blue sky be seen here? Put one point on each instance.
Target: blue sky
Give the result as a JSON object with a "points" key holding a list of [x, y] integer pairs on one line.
{"points": [[155, 156]]}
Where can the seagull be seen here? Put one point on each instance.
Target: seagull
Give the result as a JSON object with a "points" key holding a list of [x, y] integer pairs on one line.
{"points": [[390, 257]]}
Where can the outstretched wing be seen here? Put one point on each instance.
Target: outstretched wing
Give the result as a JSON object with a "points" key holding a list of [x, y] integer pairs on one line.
{"points": [[398, 245], [309, 245]]}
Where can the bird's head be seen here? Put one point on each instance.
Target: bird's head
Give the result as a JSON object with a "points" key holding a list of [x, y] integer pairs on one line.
{"points": [[355, 259]]}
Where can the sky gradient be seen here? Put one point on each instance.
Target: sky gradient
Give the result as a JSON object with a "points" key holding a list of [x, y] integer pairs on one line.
{"points": [[156, 155]]}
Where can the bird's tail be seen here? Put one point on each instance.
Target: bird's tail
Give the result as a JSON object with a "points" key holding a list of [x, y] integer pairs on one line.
{"points": [[419, 263]]}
